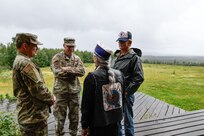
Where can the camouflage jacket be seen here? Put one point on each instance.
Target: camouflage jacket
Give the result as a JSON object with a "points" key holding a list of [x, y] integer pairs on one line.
{"points": [[66, 81], [33, 97]]}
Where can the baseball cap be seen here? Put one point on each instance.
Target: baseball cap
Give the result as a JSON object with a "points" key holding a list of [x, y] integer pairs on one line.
{"points": [[124, 36]]}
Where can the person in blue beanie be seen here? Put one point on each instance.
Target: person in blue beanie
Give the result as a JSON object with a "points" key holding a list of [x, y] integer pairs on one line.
{"points": [[101, 106]]}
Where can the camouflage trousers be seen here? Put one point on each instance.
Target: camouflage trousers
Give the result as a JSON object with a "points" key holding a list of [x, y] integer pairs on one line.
{"points": [[38, 129], [64, 101]]}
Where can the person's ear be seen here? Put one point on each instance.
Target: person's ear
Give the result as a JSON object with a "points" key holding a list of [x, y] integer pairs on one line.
{"points": [[24, 45]]}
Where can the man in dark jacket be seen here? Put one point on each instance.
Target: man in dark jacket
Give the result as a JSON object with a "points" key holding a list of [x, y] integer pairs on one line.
{"points": [[127, 60], [102, 98]]}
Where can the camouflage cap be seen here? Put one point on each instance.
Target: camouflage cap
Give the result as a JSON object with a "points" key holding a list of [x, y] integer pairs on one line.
{"points": [[69, 41], [28, 38]]}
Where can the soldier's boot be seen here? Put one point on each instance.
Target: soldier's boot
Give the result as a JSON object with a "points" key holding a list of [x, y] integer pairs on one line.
{"points": [[59, 131]]}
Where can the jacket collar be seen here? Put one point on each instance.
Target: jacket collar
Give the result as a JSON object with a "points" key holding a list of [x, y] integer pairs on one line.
{"points": [[131, 51], [21, 54]]}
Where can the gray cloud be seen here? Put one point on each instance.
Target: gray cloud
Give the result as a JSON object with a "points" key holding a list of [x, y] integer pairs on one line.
{"points": [[158, 27]]}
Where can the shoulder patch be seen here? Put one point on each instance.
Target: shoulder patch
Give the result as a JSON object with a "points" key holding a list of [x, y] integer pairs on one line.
{"points": [[31, 72]]}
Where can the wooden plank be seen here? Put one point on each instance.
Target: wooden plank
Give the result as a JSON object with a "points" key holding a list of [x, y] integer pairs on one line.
{"points": [[138, 104], [163, 111], [187, 123], [192, 133], [169, 110], [186, 128], [150, 111], [137, 95], [174, 129], [139, 100], [169, 123], [157, 110], [186, 115], [181, 111], [147, 107], [141, 106], [142, 115], [175, 111]]}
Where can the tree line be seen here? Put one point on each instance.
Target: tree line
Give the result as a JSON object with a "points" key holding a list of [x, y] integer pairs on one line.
{"points": [[43, 59], [175, 60]]}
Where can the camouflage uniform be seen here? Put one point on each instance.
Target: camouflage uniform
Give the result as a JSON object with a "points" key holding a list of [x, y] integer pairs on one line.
{"points": [[33, 97], [66, 89]]}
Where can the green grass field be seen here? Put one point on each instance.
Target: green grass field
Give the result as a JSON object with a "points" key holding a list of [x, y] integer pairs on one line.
{"points": [[182, 86]]}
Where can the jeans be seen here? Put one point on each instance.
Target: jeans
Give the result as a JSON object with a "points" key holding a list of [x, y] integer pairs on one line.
{"points": [[128, 115]]}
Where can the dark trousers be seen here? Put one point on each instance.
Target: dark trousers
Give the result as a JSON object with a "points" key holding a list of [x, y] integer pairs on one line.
{"points": [[110, 130]]}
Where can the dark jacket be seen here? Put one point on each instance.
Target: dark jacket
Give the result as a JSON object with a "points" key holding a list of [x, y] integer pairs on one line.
{"points": [[93, 113], [131, 66]]}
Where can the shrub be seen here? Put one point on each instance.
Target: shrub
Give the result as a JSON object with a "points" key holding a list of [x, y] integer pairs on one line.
{"points": [[8, 125], [11, 99], [1, 98]]}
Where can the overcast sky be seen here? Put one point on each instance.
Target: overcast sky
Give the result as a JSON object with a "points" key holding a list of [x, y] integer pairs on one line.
{"points": [[159, 27]]}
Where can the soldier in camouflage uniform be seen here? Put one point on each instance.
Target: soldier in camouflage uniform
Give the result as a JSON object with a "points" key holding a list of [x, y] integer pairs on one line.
{"points": [[33, 97], [67, 67]]}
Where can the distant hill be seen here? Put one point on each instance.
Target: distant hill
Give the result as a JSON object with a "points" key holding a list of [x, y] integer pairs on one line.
{"points": [[180, 60]]}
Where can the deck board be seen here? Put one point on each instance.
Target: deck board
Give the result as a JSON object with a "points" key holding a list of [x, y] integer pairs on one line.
{"points": [[191, 123], [147, 107], [139, 115], [151, 117]]}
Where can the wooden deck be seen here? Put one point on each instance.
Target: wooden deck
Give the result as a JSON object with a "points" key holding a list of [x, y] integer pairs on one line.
{"points": [[185, 124], [147, 107], [151, 117]]}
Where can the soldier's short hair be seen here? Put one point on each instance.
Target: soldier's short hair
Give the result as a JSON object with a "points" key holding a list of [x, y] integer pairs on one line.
{"points": [[26, 38]]}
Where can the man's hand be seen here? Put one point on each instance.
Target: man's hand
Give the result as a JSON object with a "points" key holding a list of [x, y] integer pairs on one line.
{"points": [[53, 99], [85, 132], [65, 69]]}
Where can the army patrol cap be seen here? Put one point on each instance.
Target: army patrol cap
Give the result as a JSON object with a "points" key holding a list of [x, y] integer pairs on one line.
{"points": [[27, 38], [69, 41]]}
